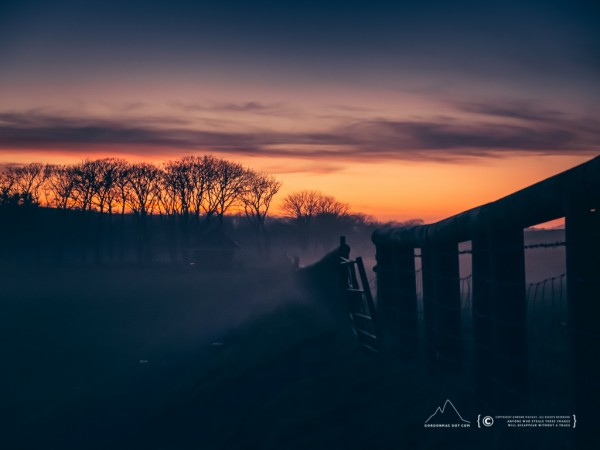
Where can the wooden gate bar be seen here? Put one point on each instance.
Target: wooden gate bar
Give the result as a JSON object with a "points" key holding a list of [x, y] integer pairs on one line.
{"points": [[364, 281]]}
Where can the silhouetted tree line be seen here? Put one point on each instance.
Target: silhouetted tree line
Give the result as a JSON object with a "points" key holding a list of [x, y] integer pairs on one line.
{"points": [[202, 187], [191, 193], [106, 206], [319, 217]]}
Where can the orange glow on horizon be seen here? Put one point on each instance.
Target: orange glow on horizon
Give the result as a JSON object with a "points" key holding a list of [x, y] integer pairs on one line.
{"points": [[388, 190]]}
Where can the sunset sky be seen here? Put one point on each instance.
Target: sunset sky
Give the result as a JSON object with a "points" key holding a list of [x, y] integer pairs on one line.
{"points": [[402, 109]]}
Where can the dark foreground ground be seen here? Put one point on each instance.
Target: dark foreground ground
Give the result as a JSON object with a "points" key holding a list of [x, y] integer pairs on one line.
{"points": [[158, 358]]}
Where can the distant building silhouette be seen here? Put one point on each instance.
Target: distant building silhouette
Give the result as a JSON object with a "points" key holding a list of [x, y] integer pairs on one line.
{"points": [[214, 250]]}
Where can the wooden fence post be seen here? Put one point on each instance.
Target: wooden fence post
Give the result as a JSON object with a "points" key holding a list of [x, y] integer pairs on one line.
{"points": [[583, 285], [500, 318], [510, 314], [482, 322], [397, 299], [441, 303]]}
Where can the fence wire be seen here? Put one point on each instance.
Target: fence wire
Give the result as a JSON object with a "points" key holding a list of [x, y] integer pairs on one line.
{"points": [[547, 324], [470, 251]]}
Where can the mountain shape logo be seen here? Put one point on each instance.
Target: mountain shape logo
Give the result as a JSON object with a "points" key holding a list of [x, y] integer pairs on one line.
{"points": [[446, 414]]}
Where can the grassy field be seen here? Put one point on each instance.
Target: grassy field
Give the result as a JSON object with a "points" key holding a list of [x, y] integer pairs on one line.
{"points": [[165, 358]]}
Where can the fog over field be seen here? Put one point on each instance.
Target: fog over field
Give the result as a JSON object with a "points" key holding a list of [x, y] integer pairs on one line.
{"points": [[130, 357]]}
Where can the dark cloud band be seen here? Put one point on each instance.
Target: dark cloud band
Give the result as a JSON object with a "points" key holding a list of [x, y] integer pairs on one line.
{"points": [[542, 132]]}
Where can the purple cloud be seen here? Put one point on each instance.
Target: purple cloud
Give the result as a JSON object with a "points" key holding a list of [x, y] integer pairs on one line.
{"points": [[445, 139]]}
